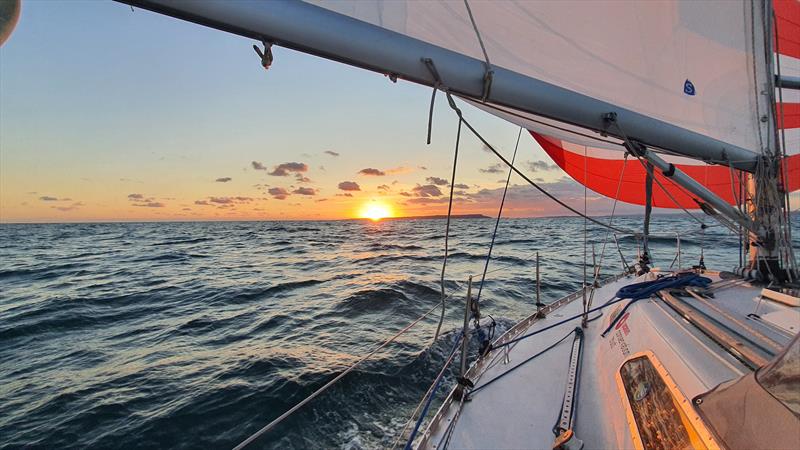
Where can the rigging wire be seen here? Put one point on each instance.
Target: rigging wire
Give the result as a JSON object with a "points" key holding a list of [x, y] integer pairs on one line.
{"points": [[327, 385], [447, 226], [585, 232], [724, 221], [599, 265], [525, 177], [436, 383], [497, 222]]}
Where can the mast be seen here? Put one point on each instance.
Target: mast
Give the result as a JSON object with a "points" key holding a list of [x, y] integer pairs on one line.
{"points": [[765, 205], [318, 31]]}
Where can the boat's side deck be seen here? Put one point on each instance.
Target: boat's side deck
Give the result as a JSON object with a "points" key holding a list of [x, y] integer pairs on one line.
{"points": [[521, 409]]}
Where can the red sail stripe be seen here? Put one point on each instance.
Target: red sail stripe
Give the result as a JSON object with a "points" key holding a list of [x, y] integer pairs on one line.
{"points": [[791, 115], [603, 177], [791, 167], [787, 13]]}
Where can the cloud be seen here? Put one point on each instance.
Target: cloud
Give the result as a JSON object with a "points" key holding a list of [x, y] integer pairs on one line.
{"points": [[278, 193], [406, 194], [231, 201], [371, 171], [427, 190], [135, 197], [305, 191], [427, 200], [460, 186], [536, 166], [71, 207], [384, 187], [331, 152], [301, 179], [423, 168], [437, 181], [399, 170], [47, 198], [257, 165], [150, 205], [223, 179], [346, 194], [349, 186], [321, 200], [496, 168], [282, 170]]}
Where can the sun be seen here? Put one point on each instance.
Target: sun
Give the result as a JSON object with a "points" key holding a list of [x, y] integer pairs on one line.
{"points": [[375, 211]]}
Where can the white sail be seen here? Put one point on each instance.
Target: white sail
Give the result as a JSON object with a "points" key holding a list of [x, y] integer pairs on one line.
{"points": [[697, 65]]}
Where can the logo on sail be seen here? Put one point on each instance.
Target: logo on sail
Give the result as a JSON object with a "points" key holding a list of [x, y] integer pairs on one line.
{"points": [[688, 87]]}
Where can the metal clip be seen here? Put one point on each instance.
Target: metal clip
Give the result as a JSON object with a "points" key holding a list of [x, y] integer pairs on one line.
{"points": [[266, 55]]}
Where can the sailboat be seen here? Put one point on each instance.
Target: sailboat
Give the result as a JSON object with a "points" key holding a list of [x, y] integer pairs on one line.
{"points": [[671, 104]]}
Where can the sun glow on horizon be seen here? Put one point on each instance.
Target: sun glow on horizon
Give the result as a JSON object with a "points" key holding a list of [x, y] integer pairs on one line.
{"points": [[376, 211]]}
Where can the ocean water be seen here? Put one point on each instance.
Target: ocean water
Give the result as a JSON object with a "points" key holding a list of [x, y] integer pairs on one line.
{"points": [[194, 335]]}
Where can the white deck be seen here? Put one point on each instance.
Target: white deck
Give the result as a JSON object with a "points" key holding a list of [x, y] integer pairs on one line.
{"points": [[520, 410]]}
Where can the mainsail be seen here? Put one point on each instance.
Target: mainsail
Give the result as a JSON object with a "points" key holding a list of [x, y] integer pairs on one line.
{"points": [[698, 65], [598, 168]]}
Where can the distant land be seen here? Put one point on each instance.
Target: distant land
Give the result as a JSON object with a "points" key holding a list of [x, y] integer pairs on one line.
{"points": [[441, 216]]}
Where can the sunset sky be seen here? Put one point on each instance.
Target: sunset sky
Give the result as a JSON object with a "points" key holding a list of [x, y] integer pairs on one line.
{"points": [[109, 114]]}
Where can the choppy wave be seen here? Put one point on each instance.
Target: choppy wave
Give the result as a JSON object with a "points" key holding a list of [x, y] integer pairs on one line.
{"points": [[194, 335]]}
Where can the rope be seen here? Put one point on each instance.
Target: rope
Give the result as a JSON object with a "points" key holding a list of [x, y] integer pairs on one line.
{"points": [[645, 289], [327, 385], [436, 384], [528, 180], [447, 226], [497, 222], [489, 73]]}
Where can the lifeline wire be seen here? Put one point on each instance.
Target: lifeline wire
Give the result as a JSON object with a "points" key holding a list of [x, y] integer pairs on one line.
{"points": [[319, 391], [525, 177], [436, 384]]}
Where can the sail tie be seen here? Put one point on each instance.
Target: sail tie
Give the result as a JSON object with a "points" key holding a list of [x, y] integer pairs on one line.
{"points": [[437, 84], [488, 75]]}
